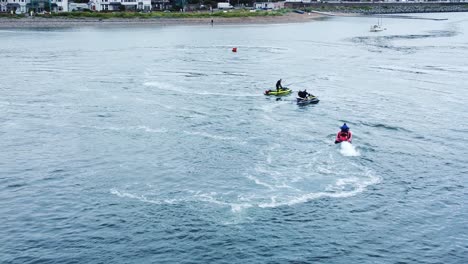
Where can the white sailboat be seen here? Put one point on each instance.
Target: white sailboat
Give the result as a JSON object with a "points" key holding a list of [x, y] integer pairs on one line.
{"points": [[377, 27]]}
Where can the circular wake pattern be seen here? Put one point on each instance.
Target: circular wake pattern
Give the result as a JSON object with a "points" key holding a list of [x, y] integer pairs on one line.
{"points": [[277, 180]]}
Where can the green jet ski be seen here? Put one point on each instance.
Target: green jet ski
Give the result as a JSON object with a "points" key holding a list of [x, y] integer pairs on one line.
{"points": [[284, 91]]}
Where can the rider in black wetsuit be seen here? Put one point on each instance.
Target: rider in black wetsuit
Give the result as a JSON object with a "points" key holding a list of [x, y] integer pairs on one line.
{"points": [[278, 85], [303, 94]]}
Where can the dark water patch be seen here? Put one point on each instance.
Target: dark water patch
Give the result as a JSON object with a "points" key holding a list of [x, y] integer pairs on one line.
{"points": [[50, 178], [346, 121], [57, 171], [399, 70], [233, 73], [365, 209], [198, 113], [39, 101], [380, 43], [463, 130], [413, 17], [385, 42], [195, 74], [104, 115], [427, 81], [189, 60], [431, 90], [364, 158], [430, 34], [384, 126], [443, 69], [451, 189], [186, 117], [421, 137], [188, 74], [111, 82], [16, 185]]}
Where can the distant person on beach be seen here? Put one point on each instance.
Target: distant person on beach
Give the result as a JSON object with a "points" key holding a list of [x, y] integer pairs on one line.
{"points": [[278, 85], [211, 22]]}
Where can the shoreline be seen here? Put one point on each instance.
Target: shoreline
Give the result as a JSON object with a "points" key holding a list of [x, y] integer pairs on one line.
{"points": [[370, 8], [291, 17], [40, 22]]}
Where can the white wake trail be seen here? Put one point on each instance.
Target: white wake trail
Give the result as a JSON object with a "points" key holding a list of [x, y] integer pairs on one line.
{"points": [[347, 149]]}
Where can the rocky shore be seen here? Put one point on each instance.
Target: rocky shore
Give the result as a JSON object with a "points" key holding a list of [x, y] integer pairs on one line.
{"points": [[380, 8]]}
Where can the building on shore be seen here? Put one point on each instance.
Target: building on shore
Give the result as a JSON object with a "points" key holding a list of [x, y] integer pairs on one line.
{"points": [[37, 6], [58, 5], [14, 6], [78, 7], [160, 4], [120, 5], [269, 5]]}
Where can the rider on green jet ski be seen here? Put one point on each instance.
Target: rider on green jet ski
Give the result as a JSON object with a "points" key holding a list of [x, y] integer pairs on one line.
{"points": [[279, 86]]}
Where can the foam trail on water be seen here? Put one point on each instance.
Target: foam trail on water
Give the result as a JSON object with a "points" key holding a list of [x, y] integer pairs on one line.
{"points": [[342, 188], [235, 207], [133, 196], [208, 135], [184, 90], [347, 149], [143, 198]]}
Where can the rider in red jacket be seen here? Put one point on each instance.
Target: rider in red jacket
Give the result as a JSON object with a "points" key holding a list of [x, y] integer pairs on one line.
{"points": [[344, 134]]}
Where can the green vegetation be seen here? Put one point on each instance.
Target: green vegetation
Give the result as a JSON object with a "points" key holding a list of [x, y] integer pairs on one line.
{"points": [[8, 15], [338, 8], [108, 15], [367, 8]]}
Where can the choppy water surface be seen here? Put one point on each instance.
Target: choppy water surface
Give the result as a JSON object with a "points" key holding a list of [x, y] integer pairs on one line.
{"points": [[156, 145]]}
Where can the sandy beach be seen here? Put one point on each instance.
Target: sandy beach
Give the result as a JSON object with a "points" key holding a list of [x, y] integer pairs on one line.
{"points": [[40, 22]]}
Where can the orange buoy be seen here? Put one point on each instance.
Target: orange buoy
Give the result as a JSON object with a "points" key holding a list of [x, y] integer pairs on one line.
{"points": [[234, 49]]}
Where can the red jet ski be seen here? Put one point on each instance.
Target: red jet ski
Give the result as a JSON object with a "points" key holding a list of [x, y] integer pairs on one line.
{"points": [[344, 135]]}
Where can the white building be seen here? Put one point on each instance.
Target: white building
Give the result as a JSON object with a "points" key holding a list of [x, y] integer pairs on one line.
{"points": [[77, 7], [17, 6], [117, 5], [269, 5], [225, 6], [23, 6], [59, 5]]}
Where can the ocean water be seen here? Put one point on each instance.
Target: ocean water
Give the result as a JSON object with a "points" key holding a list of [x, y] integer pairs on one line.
{"points": [[157, 145]]}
